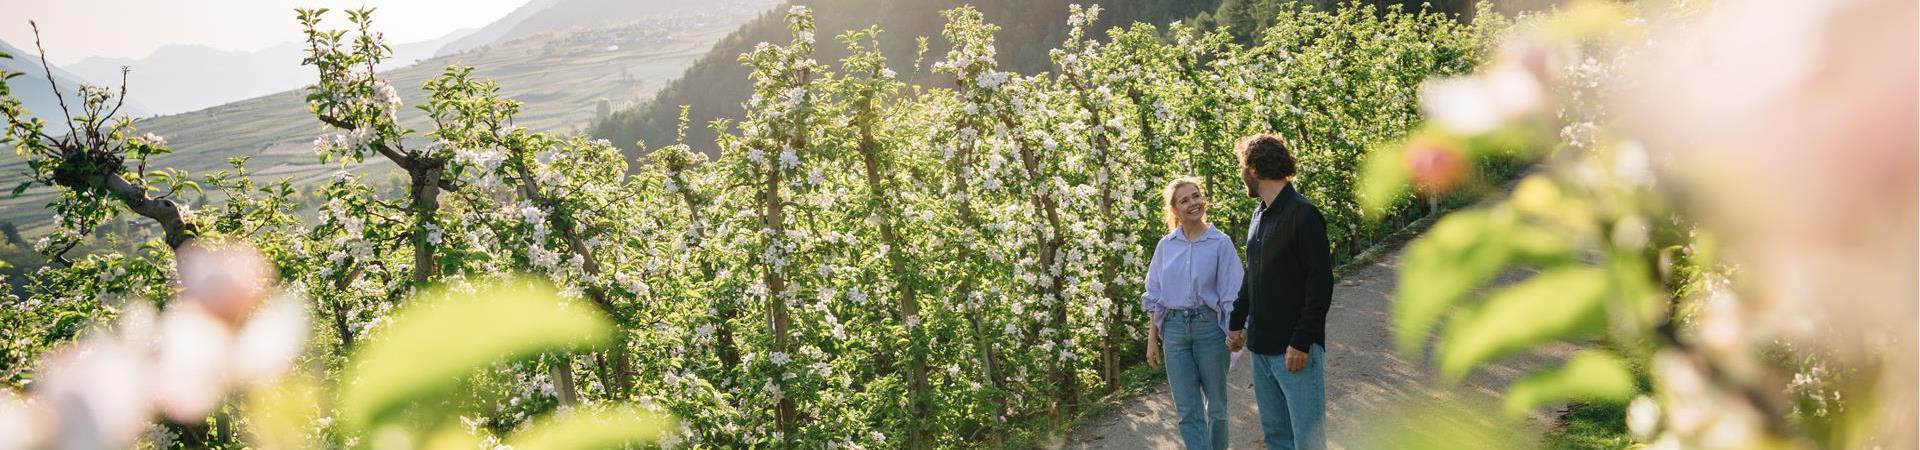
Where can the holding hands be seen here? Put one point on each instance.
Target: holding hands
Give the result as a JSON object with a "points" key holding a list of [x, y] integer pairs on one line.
{"points": [[1236, 340]]}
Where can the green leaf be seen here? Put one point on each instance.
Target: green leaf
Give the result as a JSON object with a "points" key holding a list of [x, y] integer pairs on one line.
{"points": [[1384, 180], [1595, 375], [1635, 298], [442, 336], [593, 428], [17, 190], [1558, 303], [1460, 253]]}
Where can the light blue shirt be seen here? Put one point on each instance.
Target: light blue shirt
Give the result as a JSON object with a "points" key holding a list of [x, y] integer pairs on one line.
{"points": [[1201, 273]]}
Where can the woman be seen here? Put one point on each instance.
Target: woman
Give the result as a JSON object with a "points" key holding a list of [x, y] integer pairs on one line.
{"points": [[1191, 283]]}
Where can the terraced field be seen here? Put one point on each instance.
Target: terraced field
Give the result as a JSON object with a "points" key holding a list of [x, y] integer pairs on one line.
{"points": [[560, 77]]}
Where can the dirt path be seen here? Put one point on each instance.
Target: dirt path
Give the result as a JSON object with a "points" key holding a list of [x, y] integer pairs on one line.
{"points": [[1365, 376]]}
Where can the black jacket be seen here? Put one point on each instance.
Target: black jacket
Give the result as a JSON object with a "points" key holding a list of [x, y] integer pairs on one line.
{"points": [[1289, 283]]}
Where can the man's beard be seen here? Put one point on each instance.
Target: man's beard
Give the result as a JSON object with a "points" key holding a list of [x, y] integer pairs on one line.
{"points": [[1253, 187]]}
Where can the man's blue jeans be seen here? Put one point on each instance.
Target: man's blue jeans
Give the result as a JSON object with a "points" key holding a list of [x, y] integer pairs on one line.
{"points": [[1293, 405], [1196, 355]]}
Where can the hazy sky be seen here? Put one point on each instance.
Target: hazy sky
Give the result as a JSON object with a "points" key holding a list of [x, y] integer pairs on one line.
{"points": [[76, 29]]}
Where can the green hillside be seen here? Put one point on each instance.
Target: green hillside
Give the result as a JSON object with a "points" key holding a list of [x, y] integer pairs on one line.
{"points": [[562, 78], [714, 85]]}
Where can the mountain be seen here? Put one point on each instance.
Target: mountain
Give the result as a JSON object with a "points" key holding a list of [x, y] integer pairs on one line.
{"points": [[497, 30], [562, 79], [181, 78], [715, 86], [33, 90], [547, 16]]}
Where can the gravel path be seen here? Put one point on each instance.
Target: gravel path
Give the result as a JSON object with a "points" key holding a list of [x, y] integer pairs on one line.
{"points": [[1366, 376]]}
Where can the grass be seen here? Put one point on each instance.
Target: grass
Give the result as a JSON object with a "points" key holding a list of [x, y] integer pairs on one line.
{"points": [[1598, 425], [1591, 426]]}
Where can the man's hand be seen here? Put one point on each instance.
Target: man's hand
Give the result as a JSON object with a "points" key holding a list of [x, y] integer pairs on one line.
{"points": [[1296, 359], [1236, 340]]}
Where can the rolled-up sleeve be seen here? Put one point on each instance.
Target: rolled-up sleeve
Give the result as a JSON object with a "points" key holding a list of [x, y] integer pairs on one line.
{"points": [[1228, 275], [1150, 300]]}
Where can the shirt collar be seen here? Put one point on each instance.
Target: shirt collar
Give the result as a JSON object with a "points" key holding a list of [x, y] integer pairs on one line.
{"points": [[1286, 193], [1210, 234]]}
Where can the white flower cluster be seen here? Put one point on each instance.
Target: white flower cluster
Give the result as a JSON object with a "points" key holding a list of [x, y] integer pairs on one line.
{"points": [[388, 95], [795, 97], [773, 256], [486, 159], [339, 143], [992, 80], [154, 140], [757, 157], [789, 159]]}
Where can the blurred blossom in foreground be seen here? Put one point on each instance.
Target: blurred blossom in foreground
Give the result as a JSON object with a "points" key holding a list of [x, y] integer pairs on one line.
{"points": [[227, 279], [1790, 126], [1513, 88], [218, 338], [93, 395]]}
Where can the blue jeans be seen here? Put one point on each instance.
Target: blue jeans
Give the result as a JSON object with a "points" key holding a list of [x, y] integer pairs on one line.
{"points": [[1293, 405], [1196, 355]]}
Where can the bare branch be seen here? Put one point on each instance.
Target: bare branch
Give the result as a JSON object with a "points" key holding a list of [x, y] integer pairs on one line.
{"points": [[48, 68], [123, 92]]}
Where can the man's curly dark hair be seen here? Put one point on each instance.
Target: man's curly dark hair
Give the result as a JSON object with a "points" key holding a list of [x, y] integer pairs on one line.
{"points": [[1268, 155]]}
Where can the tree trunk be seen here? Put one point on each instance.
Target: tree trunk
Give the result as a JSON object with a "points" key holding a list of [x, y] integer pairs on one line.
{"points": [[617, 377], [917, 434], [426, 202], [1065, 397], [723, 334], [563, 386], [1109, 260], [773, 219], [988, 361]]}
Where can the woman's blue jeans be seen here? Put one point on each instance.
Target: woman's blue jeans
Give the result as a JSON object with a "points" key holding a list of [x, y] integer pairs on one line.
{"points": [[1195, 349]]}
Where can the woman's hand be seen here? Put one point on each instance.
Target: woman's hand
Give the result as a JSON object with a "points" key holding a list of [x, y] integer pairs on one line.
{"points": [[1153, 347]]}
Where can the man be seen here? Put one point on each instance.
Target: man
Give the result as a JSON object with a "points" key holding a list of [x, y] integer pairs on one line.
{"points": [[1281, 310]]}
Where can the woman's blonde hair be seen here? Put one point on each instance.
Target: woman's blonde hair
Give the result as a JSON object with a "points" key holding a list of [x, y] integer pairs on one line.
{"points": [[1171, 213]]}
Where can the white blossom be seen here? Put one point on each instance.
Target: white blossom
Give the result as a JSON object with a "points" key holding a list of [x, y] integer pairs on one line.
{"points": [[992, 80], [789, 159], [154, 139]]}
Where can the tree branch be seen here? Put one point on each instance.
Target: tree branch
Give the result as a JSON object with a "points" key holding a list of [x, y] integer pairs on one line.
{"points": [[48, 69]]}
